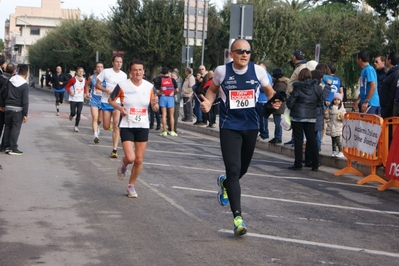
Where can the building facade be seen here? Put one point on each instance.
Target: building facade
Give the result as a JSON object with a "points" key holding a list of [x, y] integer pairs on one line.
{"points": [[28, 24]]}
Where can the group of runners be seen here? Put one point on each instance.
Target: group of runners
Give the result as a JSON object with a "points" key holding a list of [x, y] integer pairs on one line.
{"points": [[126, 100]]}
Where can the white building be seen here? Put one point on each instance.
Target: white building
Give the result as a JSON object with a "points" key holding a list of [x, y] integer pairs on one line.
{"points": [[28, 24]]}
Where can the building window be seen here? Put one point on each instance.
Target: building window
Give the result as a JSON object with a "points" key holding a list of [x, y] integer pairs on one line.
{"points": [[34, 31]]}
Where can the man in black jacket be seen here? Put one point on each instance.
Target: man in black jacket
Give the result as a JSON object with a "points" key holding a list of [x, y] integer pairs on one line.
{"points": [[390, 85], [58, 81], [10, 71], [15, 102]]}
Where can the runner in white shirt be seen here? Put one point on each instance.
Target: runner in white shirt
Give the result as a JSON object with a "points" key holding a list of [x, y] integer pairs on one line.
{"points": [[135, 95], [76, 87], [111, 76]]}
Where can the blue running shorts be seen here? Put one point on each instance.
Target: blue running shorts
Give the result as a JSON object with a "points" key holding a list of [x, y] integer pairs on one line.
{"points": [[167, 102], [106, 107]]}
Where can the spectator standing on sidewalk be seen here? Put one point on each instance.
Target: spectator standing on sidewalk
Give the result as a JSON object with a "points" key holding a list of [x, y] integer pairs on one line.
{"points": [[303, 102], [263, 123], [14, 101], [389, 86], [187, 94], [368, 100], [299, 63], [279, 84], [334, 115], [4, 77]]}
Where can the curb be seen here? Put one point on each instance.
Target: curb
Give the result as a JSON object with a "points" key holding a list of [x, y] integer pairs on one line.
{"points": [[338, 163]]}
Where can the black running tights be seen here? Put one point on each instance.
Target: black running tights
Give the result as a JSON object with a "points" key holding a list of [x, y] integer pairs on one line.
{"points": [[76, 107], [237, 150]]}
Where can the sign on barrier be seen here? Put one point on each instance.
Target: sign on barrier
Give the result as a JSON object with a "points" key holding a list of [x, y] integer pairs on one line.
{"points": [[361, 135], [392, 165]]}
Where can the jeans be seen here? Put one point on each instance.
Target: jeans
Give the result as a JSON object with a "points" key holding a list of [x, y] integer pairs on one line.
{"points": [[198, 111], [278, 130], [157, 117], [263, 123]]}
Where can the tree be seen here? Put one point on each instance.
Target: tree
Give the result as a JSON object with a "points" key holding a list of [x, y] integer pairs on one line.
{"points": [[74, 43], [392, 36], [325, 2], [1, 45], [151, 30], [385, 8]]}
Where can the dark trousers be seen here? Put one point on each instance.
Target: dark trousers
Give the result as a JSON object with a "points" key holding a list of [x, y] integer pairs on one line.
{"points": [[157, 117], [298, 128], [211, 115], [237, 150], [59, 98], [263, 123], [76, 109], [13, 122], [2, 121], [188, 108], [197, 108]]}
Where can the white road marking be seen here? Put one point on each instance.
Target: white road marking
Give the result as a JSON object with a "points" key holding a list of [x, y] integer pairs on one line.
{"points": [[260, 175], [295, 201], [318, 244]]}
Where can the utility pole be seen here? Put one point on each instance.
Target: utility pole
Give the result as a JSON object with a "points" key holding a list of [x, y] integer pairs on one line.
{"points": [[231, 40]]}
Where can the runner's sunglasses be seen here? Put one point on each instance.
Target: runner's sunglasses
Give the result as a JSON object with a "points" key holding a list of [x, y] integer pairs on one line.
{"points": [[242, 51]]}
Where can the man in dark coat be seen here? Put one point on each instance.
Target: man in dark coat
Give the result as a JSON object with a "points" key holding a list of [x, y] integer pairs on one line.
{"points": [[389, 86]]}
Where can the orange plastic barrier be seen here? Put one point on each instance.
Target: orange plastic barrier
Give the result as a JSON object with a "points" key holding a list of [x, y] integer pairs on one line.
{"points": [[388, 129], [353, 154]]}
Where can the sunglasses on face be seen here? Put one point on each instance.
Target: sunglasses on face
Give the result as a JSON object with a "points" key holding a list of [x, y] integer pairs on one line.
{"points": [[242, 51]]}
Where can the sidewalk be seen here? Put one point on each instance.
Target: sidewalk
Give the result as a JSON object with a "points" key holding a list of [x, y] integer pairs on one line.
{"points": [[287, 150]]}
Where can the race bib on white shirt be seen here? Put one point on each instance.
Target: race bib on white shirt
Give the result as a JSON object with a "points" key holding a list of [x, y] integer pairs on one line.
{"points": [[97, 92], [242, 99], [137, 114]]}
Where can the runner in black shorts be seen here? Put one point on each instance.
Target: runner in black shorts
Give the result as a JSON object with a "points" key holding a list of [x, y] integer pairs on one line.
{"points": [[135, 95]]}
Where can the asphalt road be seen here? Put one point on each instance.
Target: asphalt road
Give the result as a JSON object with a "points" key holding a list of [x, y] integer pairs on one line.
{"points": [[61, 203]]}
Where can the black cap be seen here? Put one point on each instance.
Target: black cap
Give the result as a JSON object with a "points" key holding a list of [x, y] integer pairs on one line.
{"points": [[299, 54], [277, 73]]}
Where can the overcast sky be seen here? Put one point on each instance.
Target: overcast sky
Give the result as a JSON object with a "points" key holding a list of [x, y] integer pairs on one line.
{"points": [[87, 7]]}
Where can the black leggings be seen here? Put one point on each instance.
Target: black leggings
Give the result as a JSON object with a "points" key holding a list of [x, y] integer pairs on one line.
{"points": [[237, 150], [59, 98], [76, 107]]}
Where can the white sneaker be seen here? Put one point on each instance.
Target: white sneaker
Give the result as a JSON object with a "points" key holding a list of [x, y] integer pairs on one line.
{"points": [[76, 129], [334, 154], [131, 193], [340, 155]]}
